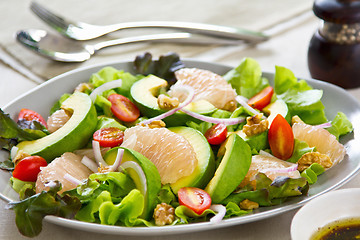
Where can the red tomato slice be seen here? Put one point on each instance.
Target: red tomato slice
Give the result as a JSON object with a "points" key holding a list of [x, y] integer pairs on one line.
{"points": [[28, 168], [123, 108], [109, 137], [281, 138], [30, 115], [262, 99], [216, 134], [194, 198]]}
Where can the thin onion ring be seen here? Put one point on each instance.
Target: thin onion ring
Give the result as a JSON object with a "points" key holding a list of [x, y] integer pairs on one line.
{"points": [[106, 86]]}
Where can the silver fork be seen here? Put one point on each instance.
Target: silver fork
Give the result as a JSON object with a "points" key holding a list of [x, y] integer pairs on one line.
{"points": [[85, 31]]}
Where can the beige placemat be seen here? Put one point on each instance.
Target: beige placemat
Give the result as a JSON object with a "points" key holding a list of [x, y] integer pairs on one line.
{"points": [[254, 15]]}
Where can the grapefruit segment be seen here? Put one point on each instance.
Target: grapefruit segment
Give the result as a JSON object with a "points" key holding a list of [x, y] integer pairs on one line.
{"points": [[172, 154], [320, 138], [207, 85]]}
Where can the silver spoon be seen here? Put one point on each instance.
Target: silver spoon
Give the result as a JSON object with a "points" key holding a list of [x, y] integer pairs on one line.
{"points": [[62, 49], [85, 31]]}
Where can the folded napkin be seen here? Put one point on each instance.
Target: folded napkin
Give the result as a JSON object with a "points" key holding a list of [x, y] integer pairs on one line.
{"points": [[257, 15]]}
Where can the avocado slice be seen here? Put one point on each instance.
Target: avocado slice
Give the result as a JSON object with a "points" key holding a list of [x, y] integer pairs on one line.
{"points": [[232, 169], [106, 122], [153, 182], [205, 156], [144, 94], [73, 135], [258, 142], [275, 108]]}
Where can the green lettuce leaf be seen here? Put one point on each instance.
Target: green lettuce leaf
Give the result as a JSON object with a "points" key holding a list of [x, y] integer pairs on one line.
{"points": [[108, 74], [232, 210], [31, 211], [247, 78], [300, 148], [11, 133], [164, 68], [126, 212], [24, 189], [268, 192], [311, 173], [301, 99], [167, 196], [187, 215], [340, 125]]}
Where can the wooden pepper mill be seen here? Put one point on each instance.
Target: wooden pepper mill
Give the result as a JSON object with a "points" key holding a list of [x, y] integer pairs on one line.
{"points": [[334, 50]]}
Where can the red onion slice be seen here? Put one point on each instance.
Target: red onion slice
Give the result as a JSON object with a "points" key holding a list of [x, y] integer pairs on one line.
{"points": [[187, 101], [221, 211], [243, 102], [225, 121], [280, 170], [323, 125], [72, 179], [90, 164], [118, 160], [136, 167], [97, 153], [13, 152], [106, 86]]}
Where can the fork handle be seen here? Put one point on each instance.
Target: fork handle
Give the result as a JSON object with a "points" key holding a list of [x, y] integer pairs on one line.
{"points": [[165, 37], [200, 28]]}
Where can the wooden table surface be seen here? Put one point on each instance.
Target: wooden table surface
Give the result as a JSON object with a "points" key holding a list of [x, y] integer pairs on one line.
{"points": [[290, 23]]}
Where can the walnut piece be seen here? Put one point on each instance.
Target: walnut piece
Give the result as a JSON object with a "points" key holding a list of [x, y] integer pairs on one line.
{"points": [[296, 119], [248, 205], [167, 103], [20, 155], [314, 157], [255, 125], [154, 124], [164, 214], [230, 106], [84, 87]]}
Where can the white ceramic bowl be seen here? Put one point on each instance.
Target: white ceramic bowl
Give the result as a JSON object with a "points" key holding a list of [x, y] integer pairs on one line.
{"points": [[325, 209]]}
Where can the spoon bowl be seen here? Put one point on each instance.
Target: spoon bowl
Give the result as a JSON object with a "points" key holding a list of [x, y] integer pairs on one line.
{"points": [[55, 47], [62, 49]]}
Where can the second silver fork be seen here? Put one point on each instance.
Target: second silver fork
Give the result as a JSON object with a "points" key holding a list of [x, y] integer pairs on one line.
{"points": [[85, 31]]}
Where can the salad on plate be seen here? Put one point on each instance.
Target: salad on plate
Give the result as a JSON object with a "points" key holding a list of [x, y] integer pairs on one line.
{"points": [[169, 145]]}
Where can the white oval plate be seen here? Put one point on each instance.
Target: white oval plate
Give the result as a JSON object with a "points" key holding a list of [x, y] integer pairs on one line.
{"points": [[335, 99]]}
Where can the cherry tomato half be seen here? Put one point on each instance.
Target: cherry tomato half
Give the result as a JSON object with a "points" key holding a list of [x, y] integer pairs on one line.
{"points": [[28, 168], [109, 137], [216, 134], [194, 198], [261, 99], [123, 108], [281, 138], [30, 115]]}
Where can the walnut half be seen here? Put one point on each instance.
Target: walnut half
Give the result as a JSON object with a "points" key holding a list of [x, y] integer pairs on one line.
{"points": [[314, 157], [167, 103], [255, 125], [164, 214], [248, 205]]}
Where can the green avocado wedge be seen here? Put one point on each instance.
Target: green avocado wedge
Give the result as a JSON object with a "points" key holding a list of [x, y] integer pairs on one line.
{"points": [[153, 182], [144, 94], [232, 169], [275, 108], [73, 135], [205, 156]]}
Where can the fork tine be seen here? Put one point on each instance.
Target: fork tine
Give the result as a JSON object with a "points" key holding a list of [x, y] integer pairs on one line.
{"points": [[49, 17]]}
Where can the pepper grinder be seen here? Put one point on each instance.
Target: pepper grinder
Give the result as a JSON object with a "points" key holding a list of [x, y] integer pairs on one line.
{"points": [[334, 50]]}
